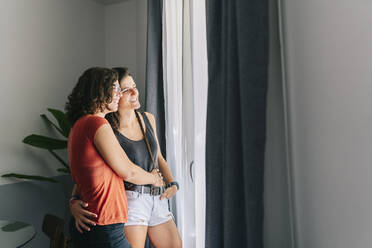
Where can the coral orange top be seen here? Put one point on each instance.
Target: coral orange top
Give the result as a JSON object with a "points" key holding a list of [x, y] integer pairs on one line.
{"points": [[98, 184]]}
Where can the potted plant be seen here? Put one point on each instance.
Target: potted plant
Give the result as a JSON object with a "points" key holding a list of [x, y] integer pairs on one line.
{"points": [[49, 144]]}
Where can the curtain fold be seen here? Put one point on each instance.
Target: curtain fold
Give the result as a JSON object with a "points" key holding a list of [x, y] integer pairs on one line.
{"points": [[154, 73], [173, 98], [237, 38], [200, 92], [185, 85], [154, 69]]}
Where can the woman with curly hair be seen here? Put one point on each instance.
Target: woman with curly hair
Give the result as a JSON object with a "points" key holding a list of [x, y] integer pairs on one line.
{"points": [[148, 208], [98, 164]]}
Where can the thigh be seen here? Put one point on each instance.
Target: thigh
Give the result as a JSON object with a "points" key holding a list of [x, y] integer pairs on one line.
{"points": [[165, 235], [160, 212], [136, 235]]}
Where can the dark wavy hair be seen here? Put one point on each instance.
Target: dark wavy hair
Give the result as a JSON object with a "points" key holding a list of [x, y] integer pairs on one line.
{"points": [[113, 117], [92, 93]]}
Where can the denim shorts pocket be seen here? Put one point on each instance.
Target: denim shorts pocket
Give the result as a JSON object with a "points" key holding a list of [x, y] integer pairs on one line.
{"points": [[132, 194]]}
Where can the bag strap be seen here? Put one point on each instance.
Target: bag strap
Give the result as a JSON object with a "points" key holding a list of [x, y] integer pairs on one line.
{"points": [[146, 140]]}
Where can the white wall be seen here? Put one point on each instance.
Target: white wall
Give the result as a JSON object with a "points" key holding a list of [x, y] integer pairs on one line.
{"points": [[328, 51], [125, 39], [45, 45]]}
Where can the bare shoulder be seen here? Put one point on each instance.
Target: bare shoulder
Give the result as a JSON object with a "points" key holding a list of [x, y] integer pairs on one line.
{"points": [[103, 134], [150, 116], [103, 129]]}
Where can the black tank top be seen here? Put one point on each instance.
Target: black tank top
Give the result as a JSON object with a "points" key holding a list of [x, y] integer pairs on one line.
{"points": [[137, 150]]}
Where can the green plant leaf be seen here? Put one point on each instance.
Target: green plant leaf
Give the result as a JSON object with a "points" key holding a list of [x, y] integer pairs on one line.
{"points": [[30, 177], [64, 170], [46, 119], [62, 120], [59, 159], [45, 142]]}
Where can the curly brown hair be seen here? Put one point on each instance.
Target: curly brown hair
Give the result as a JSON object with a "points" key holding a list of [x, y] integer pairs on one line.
{"points": [[92, 93], [113, 117]]}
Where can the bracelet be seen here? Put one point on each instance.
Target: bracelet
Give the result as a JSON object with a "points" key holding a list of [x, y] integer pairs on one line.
{"points": [[73, 198], [173, 183]]}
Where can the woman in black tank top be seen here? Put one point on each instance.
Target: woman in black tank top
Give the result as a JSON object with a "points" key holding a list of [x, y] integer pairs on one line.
{"points": [[148, 206]]}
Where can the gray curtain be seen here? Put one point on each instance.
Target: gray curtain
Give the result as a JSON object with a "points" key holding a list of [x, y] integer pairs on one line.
{"points": [[237, 38], [154, 68], [154, 72]]}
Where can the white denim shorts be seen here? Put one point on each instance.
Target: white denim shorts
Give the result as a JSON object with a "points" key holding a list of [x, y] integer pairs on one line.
{"points": [[147, 210]]}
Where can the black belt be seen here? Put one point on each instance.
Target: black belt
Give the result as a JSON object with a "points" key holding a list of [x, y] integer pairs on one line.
{"points": [[145, 189]]}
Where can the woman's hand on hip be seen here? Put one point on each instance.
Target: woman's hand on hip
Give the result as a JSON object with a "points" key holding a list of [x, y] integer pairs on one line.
{"points": [[169, 192], [82, 217]]}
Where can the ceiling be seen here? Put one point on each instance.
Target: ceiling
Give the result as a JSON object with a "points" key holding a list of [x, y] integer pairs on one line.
{"points": [[106, 2]]}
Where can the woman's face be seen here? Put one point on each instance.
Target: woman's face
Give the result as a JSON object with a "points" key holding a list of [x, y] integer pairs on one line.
{"points": [[129, 98], [116, 94]]}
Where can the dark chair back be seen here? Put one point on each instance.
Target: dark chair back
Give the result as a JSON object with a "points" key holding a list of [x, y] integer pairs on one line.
{"points": [[53, 227]]}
